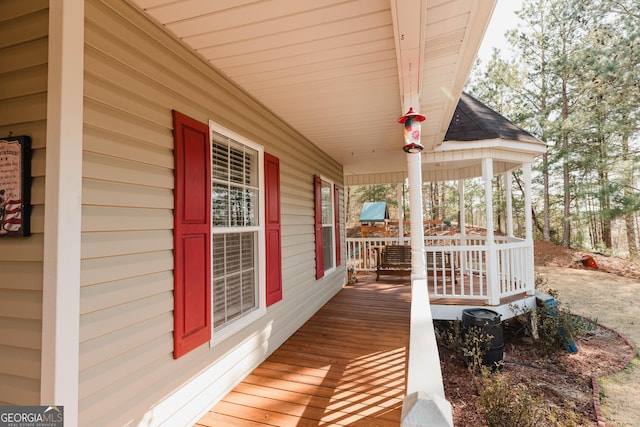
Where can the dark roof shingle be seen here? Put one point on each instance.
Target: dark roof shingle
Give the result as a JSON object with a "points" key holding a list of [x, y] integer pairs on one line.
{"points": [[474, 121]]}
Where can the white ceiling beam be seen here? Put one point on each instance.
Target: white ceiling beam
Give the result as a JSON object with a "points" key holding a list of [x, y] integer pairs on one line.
{"points": [[409, 25]]}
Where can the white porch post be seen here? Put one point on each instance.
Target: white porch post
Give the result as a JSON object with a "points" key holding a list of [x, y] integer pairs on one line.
{"points": [[418, 263], [528, 221], [509, 213], [462, 225], [425, 403], [493, 285], [400, 213], [63, 194]]}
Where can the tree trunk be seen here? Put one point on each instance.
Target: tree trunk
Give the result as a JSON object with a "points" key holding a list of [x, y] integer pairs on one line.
{"points": [[566, 229], [534, 217], [442, 201], [546, 232], [628, 194], [605, 202]]}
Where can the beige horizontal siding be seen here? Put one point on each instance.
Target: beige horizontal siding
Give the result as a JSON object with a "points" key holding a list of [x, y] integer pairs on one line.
{"points": [[135, 76], [104, 193], [37, 219], [27, 25], [121, 367], [21, 362], [23, 56], [118, 170], [37, 130], [37, 191], [102, 218], [104, 118], [99, 245], [14, 388], [21, 333], [98, 323], [16, 9], [114, 144], [112, 294], [23, 106], [26, 275], [26, 108], [29, 81], [21, 304], [38, 160], [108, 346], [101, 270]]}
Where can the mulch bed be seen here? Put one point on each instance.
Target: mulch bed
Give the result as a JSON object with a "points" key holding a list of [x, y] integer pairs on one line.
{"points": [[564, 380]]}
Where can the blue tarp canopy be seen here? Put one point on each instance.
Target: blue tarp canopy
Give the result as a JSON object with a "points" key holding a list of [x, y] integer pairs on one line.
{"points": [[374, 212]]}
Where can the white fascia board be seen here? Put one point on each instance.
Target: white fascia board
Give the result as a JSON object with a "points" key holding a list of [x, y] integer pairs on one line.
{"points": [[409, 25], [505, 144]]}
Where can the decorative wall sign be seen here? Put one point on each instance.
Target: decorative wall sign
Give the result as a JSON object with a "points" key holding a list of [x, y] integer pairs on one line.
{"points": [[15, 186]]}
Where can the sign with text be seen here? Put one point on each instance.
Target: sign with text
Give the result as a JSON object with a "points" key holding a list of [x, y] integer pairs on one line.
{"points": [[15, 186], [31, 416]]}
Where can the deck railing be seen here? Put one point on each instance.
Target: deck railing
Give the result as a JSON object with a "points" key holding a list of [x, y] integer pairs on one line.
{"points": [[425, 403], [462, 267]]}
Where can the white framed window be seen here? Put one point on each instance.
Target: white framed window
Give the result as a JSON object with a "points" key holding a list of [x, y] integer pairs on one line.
{"points": [[237, 232], [328, 225]]}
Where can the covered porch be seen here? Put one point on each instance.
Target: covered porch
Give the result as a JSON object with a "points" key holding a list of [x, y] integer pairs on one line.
{"points": [[463, 270], [345, 366]]}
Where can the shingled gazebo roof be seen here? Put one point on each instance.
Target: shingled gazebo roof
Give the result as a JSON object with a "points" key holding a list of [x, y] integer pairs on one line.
{"points": [[474, 121]]}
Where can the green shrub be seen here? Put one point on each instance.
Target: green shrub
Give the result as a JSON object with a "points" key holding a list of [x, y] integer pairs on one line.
{"points": [[508, 403], [472, 344], [449, 334]]}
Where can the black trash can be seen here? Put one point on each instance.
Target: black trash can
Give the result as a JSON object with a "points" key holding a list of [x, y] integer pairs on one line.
{"points": [[491, 325]]}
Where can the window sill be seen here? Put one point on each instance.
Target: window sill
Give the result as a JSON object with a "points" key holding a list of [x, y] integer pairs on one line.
{"points": [[233, 328]]}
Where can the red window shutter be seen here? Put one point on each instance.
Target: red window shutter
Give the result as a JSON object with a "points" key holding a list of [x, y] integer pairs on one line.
{"points": [[336, 208], [192, 235], [272, 231], [318, 226]]}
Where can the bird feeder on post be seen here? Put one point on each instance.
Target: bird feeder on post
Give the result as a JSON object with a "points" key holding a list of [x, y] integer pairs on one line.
{"points": [[412, 122]]}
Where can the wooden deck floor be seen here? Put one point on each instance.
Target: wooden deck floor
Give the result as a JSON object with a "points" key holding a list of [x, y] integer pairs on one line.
{"points": [[345, 366]]}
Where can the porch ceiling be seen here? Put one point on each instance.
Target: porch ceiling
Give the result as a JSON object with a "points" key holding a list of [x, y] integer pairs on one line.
{"points": [[340, 71]]}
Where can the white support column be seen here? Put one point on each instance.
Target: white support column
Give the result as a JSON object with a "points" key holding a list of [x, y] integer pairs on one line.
{"points": [[487, 177], [509, 197], [493, 284], [462, 220], [399, 188], [462, 225], [418, 263], [425, 403], [528, 221], [63, 202]]}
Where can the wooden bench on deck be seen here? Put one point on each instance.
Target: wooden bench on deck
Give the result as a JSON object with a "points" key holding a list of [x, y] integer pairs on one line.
{"points": [[393, 259], [396, 260]]}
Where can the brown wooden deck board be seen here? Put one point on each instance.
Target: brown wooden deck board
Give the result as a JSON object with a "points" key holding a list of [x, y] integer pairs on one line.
{"points": [[345, 366]]}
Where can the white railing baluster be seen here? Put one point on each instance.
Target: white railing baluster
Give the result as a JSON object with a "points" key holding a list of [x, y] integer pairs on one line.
{"points": [[465, 275]]}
